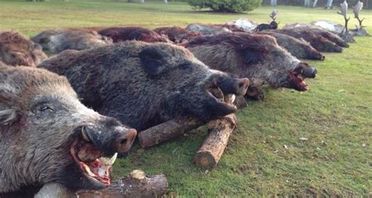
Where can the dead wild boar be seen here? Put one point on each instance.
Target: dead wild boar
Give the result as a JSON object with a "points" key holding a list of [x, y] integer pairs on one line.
{"points": [[16, 49], [145, 84], [254, 56], [297, 47], [320, 31], [177, 35], [207, 30], [316, 40], [47, 136], [56, 41], [120, 34]]}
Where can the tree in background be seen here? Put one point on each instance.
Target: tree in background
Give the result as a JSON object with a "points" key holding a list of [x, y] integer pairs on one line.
{"points": [[226, 5]]}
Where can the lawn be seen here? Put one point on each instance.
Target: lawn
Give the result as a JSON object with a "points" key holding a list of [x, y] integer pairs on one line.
{"points": [[290, 144]]}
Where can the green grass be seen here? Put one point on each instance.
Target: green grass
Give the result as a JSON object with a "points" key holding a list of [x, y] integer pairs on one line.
{"points": [[265, 156]]}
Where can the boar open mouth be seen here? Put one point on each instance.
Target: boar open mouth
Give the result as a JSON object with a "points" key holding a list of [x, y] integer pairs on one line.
{"points": [[91, 161], [226, 100], [297, 81]]}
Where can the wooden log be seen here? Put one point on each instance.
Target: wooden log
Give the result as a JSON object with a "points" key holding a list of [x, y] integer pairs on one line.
{"points": [[52, 190], [214, 145], [166, 131], [137, 184]]}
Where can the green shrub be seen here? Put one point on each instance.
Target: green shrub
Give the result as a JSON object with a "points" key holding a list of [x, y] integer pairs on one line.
{"points": [[226, 5]]}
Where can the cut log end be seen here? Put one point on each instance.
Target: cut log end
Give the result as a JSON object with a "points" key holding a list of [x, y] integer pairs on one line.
{"points": [[214, 145], [205, 160]]}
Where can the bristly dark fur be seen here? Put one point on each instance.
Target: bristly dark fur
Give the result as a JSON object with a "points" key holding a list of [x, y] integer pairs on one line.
{"points": [[16, 50], [119, 34], [177, 34], [251, 55], [319, 42], [239, 42], [144, 84], [272, 26], [297, 47]]}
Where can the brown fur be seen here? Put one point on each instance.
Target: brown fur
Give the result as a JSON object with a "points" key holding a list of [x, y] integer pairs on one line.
{"points": [[328, 35], [332, 36], [56, 41], [119, 34], [297, 47], [177, 34], [316, 40], [3, 64], [15, 50]]}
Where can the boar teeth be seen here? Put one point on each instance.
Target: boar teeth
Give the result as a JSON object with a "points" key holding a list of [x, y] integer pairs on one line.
{"points": [[87, 169], [84, 135], [230, 98], [101, 172], [109, 161], [233, 98]]}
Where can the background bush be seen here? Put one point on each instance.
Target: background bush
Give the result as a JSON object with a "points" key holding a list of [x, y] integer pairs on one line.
{"points": [[226, 5]]}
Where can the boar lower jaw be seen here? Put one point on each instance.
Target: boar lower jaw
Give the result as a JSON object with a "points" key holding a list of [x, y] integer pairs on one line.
{"points": [[298, 81], [91, 162], [226, 99]]}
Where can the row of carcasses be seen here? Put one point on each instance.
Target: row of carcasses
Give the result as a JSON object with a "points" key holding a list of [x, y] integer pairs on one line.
{"points": [[88, 58], [141, 84], [264, 57]]}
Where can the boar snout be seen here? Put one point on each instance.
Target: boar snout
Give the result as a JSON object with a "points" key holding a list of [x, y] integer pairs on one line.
{"points": [[306, 70], [310, 72], [236, 86], [315, 55], [322, 58], [110, 139], [125, 140]]}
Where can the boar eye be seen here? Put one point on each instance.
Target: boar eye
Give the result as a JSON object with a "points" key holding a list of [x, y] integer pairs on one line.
{"points": [[45, 108]]}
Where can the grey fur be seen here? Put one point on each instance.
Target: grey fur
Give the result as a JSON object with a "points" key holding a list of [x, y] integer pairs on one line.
{"points": [[39, 117], [207, 30]]}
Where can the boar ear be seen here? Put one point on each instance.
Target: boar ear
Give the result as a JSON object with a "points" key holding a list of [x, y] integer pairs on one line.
{"points": [[7, 116], [36, 46], [152, 60]]}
